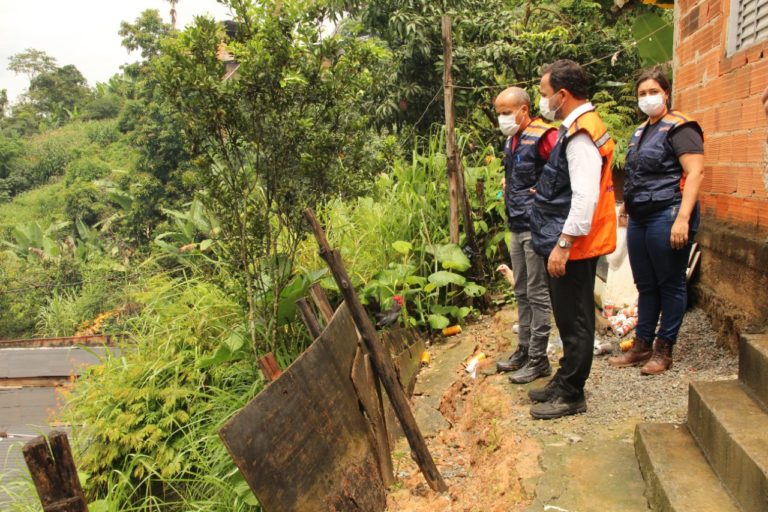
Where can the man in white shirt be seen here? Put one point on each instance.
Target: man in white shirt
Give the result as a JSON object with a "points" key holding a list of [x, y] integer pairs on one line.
{"points": [[572, 224]]}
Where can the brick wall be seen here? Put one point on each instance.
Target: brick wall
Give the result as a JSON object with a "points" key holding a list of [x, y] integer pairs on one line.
{"points": [[723, 94]]}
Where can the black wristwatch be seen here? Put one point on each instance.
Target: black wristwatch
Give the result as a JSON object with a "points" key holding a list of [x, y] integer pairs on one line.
{"points": [[564, 244]]}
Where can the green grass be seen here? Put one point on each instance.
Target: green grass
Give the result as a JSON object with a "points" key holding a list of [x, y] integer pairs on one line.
{"points": [[44, 204]]}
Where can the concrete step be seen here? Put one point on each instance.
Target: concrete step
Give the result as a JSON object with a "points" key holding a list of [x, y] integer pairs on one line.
{"points": [[677, 476], [753, 365], [731, 429]]}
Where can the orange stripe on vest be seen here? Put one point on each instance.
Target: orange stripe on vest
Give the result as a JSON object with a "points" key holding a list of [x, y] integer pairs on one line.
{"points": [[601, 238]]}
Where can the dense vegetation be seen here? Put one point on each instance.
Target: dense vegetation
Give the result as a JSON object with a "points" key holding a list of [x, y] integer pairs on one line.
{"points": [[166, 204]]}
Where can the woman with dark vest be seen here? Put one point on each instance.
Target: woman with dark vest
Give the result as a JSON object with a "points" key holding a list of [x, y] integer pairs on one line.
{"points": [[662, 176]]}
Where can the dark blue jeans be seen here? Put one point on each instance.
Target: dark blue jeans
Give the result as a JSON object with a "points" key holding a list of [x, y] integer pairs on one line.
{"points": [[659, 272]]}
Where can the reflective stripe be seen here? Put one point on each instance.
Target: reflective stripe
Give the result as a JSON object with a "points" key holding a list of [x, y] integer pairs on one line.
{"points": [[602, 140]]}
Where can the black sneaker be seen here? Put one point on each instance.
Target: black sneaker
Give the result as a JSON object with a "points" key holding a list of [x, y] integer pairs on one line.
{"points": [[558, 407], [534, 369], [515, 361], [544, 394]]}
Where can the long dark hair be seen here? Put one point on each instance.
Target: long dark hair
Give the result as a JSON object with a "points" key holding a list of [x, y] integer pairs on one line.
{"points": [[656, 73]]}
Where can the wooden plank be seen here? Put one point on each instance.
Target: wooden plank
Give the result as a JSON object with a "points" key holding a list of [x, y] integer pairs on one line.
{"points": [[54, 473], [408, 364], [309, 318], [369, 393], [302, 444], [321, 301], [269, 367], [380, 358]]}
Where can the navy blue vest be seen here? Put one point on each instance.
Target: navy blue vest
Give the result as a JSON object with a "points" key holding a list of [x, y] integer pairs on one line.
{"points": [[522, 168], [552, 200], [652, 171]]}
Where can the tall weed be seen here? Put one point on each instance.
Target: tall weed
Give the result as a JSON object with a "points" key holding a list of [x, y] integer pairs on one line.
{"points": [[145, 422]]}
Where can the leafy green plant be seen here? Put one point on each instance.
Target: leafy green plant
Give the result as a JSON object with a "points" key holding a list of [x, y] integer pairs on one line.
{"points": [[396, 240], [654, 35]]}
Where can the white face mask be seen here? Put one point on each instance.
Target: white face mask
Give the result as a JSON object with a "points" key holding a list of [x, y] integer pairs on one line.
{"points": [[545, 109], [508, 124], [651, 105]]}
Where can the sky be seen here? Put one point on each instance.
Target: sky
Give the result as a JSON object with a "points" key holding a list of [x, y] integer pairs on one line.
{"points": [[81, 32]]}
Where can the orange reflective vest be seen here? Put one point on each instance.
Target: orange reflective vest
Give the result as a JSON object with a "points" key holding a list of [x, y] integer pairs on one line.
{"points": [[553, 196], [601, 238]]}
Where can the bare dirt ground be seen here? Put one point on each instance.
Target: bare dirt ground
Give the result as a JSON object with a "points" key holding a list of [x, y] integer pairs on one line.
{"points": [[495, 457]]}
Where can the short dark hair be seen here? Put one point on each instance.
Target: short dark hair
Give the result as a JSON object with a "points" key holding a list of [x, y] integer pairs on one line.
{"points": [[655, 73], [569, 75]]}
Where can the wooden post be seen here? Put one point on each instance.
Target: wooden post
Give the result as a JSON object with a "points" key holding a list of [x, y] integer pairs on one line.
{"points": [[480, 193], [54, 473], [456, 187], [309, 318], [269, 367], [321, 301], [450, 131], [382, 363]]}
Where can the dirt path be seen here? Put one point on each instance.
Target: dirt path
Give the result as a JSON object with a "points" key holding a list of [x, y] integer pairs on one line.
{"points": [[495, 457]]}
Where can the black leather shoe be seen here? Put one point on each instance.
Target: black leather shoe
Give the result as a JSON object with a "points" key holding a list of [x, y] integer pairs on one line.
{"points": [[558, 407], [534, 369], [515, 361], [544, 394]]}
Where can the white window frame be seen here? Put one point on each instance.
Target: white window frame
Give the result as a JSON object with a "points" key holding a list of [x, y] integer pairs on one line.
{"points": [[747, 24]]}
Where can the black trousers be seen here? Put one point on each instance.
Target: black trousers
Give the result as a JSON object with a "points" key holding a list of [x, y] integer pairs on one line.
{"points": [[573, 304]]}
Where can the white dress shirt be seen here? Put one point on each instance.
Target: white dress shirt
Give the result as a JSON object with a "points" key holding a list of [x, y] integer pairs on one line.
{"points": [[584, 167]]}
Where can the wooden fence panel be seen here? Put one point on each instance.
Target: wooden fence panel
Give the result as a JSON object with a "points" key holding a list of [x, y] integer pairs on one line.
{"points": [[303, 443]]}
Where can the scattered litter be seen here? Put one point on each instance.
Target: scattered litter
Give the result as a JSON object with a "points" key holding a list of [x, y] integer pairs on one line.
{"points": [[452, 330], [516, 328], [554, 346], [626, 345], [602, 348], [608, 309], [425, 358], [553, 507], [471, 365], [621, 321]]}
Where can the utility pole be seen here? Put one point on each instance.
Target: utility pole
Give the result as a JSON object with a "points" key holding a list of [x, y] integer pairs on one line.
{"points": [[450, 131], [456, 187]]}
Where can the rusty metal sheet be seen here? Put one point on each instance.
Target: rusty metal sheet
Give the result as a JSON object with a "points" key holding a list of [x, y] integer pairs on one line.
{"points": [[303, 443]]}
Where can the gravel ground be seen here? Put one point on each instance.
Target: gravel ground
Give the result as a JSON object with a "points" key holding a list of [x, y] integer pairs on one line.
{"points": [[616, 395]]}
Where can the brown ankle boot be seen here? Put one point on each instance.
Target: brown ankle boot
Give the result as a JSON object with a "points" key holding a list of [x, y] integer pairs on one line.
{"points": [[639, 353], [661, 360]]}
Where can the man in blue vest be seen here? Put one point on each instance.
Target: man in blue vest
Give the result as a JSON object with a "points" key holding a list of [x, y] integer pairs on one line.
{"points": [[529, 142], [573, 223]]}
